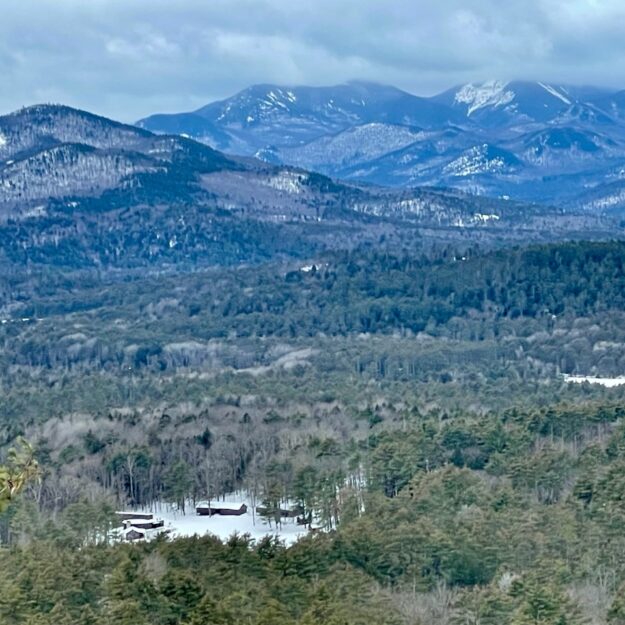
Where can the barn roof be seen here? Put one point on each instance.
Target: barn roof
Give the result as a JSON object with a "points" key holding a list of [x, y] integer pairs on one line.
{"points": [[220, 505]]}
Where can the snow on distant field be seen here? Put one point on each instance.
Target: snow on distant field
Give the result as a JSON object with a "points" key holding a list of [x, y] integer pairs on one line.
{"points": [[289, 181], [607, 382], [189, 523]]}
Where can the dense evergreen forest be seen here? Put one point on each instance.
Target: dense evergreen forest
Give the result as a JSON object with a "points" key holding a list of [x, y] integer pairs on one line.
{"points": [[512, 517], [415, 406], [531, 296]]}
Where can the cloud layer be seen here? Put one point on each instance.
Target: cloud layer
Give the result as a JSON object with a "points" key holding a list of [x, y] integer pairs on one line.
{"points": [[129, 58]]}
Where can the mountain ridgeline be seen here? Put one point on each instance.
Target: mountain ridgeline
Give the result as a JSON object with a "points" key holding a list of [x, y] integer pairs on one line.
{"points": [[531, 141], [80, 191]]}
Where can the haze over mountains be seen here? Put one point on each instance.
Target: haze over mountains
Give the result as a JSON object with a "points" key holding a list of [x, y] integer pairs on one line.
{"points": [[531, 141]]}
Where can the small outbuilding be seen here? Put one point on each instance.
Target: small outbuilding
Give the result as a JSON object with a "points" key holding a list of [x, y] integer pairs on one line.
{"points": [[128, 515], [143, 524], [221, 508]]}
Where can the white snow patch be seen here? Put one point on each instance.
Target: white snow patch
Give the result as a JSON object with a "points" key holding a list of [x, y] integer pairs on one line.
{"points": [[607, 382], [355, 145], [288, 181], [273, 100], [412, 206], [491, 93], [475, 161], [316, 267], [474, 220], [555, 93], [225, 112], [3, 140], [186, 524], [606, 201], [484, 218], [35, 211]]}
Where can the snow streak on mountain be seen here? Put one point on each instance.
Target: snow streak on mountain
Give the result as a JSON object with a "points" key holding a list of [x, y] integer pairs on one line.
{"points": [[533, 141]]}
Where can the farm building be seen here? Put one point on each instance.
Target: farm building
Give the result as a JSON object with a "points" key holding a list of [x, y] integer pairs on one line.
{"points": [[285, 513], [143, 524], [221, 508], [126, 516]]}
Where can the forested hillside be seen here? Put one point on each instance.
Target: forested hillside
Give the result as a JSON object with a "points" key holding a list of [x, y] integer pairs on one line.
{"points": [[414, 406], [81, 191], [561, 304], [312, 355], [511, 517]]}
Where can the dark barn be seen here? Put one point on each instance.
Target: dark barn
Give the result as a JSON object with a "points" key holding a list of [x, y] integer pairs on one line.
{"points": [[221, 508]]}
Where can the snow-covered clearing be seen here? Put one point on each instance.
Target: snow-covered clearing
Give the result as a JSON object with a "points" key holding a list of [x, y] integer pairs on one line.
{"points": [[186, 524], [607, 382]]}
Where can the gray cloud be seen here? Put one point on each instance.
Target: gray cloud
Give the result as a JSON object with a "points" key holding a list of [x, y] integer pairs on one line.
{"points": [[129, 58]]}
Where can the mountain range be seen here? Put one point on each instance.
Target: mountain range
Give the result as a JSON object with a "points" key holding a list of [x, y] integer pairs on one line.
{"points": [[78, 190], [531, 141]]}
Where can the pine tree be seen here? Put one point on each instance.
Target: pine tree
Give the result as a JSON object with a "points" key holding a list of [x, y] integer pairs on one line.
{"points": [[20, 469], [616, 613]]}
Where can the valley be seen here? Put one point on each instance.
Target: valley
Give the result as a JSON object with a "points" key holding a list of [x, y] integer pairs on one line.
{"points": [[430, 376], [312, 313]]}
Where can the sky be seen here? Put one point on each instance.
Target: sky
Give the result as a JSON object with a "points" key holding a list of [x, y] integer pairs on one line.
{"points": [[129, 58]]}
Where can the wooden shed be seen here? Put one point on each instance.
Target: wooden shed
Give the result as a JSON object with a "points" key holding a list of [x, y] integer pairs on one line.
{"points": [[127, 515], [143, 524], [221, 508]]}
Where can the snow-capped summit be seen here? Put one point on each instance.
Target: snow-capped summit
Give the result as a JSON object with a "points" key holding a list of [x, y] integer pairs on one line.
{"points": [[496, 103], [488, 94], [288, 117], [531, 140]]}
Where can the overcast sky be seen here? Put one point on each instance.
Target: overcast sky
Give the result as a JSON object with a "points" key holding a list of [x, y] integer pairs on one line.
{"points": [[130, 58]]}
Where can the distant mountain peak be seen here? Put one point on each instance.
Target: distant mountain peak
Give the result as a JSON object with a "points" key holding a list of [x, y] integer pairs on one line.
{"points": [[492, 93], [497, 94], [48, 108], [480, 136]]}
